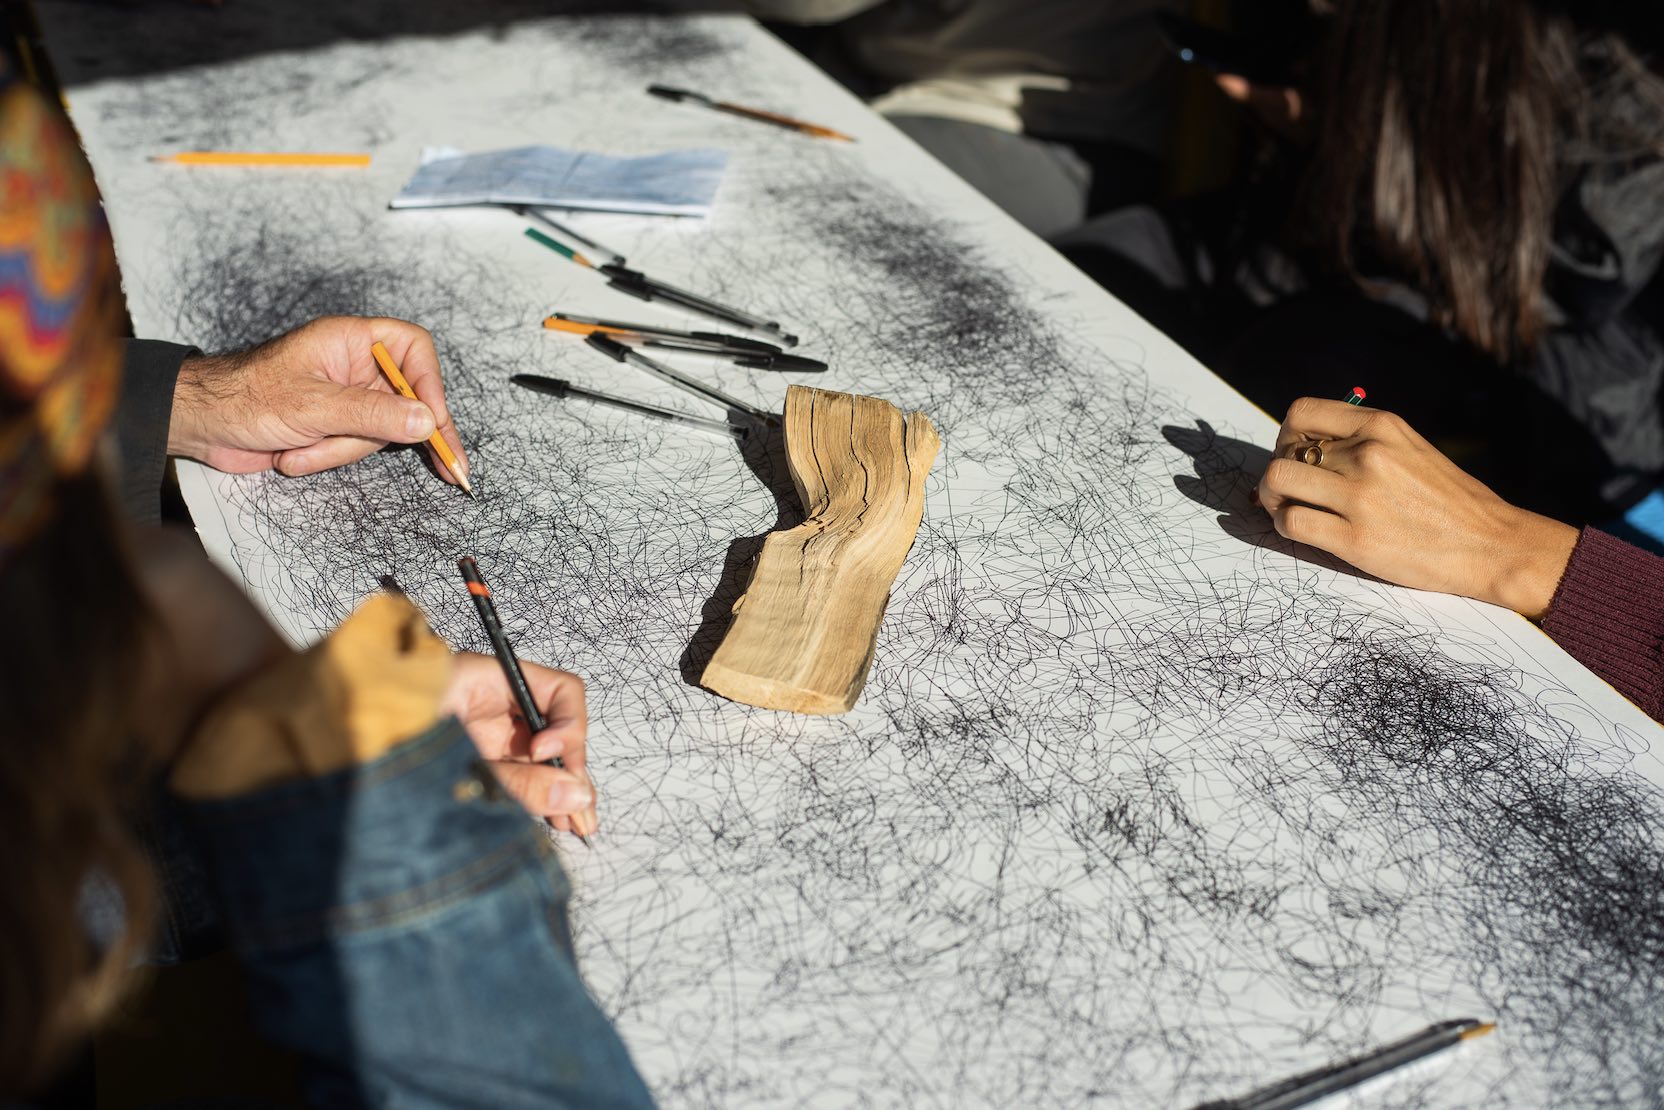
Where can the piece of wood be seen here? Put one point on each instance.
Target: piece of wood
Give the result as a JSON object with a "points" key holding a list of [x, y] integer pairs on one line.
{"points": [[803, 631]]}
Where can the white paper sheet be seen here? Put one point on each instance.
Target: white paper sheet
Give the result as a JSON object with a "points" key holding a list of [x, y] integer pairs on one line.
{"points": [[1141, 805]]}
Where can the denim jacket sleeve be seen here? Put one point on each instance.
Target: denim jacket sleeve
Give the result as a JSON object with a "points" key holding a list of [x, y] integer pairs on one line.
{"points": [[403, 927]]}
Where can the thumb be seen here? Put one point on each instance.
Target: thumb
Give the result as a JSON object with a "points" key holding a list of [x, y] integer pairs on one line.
{"points": [[544, 790], [373, 414]]}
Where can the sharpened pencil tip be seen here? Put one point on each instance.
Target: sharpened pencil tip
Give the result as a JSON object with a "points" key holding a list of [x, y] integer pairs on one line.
{"points": [[1479, 1030], [585, 839]]}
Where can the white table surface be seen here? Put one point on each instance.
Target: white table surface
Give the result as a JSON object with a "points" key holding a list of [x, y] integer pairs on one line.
{"points": [[1140, 807]]}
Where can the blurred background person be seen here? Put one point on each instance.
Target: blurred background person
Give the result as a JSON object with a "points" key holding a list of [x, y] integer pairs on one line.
{"points": [[1461, 206], [1053, 109]]}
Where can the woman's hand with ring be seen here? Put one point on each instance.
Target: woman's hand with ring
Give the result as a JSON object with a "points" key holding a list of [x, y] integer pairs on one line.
{"points": [[1362, 484]]}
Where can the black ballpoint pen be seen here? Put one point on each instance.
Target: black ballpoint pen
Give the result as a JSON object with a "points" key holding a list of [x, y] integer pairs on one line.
{"points": [[481, 593], [559, 387], [750, 359], [621, 353], [1312, 1085], [638, 284]]}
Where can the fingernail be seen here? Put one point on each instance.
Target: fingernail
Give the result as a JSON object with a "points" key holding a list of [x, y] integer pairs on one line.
{"points": [[418, 422], [568, 797], [547, 748]]}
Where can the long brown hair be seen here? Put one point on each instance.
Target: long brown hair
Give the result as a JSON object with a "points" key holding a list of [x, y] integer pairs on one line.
{"points": [[1443, 133], [70, 777]]}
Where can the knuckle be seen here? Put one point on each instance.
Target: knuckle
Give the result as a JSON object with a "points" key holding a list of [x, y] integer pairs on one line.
{"points": [[1300, 411], [1278, 472], [1387, 423]]}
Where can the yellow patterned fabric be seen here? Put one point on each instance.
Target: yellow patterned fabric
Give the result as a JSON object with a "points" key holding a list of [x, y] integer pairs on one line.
{"points": [[376, 682], [60, 310]]}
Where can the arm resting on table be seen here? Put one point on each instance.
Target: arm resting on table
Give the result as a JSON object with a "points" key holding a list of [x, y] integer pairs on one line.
{"points": [[1608, 613]]}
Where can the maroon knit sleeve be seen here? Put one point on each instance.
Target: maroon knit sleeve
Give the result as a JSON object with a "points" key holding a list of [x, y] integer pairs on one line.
{"points": [[1608, 613]]}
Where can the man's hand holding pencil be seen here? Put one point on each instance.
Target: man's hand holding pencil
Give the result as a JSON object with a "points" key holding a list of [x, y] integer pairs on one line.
{"points": [[312, 399]]}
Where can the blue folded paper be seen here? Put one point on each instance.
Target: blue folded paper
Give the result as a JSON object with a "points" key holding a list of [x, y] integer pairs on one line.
{"points": [[676, 183]]}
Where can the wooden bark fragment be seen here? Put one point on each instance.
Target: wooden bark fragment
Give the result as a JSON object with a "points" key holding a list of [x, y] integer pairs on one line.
{"points": [[803, 631]]}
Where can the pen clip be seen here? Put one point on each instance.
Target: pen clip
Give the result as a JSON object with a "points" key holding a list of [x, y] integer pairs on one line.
{"points": [[736, 341], [609, 347], [537, 383], [633, 282]]}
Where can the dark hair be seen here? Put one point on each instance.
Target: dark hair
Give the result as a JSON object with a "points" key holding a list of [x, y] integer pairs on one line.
{"points": [[70, 775], [1444, 131]]}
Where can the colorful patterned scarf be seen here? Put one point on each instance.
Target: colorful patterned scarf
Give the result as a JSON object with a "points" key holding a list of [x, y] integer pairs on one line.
{"points": [[60, 310]]}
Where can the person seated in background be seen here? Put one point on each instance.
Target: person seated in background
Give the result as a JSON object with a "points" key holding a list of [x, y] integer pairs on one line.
{"points": [[401, 920], [1465, 209], [1362, 485], [1053, 109]]}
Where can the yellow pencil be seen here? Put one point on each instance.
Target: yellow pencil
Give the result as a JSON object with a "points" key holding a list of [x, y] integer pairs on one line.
{"points": [[260, 158], [436, 441]]}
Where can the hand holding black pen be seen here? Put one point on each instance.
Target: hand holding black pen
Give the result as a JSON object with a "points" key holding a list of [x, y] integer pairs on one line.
{"points": [[556, 739]]}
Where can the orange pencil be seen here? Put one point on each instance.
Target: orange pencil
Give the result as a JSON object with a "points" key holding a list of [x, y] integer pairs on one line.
{"points": [[260, 158], [436, 441]]}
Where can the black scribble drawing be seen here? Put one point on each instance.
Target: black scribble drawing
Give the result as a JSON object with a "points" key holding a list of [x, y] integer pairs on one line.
{"points": [[1142, 806]]}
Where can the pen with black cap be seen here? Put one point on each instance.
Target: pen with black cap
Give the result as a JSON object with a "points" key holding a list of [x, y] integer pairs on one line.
{"points": [[619, 352], [638, 284], [560, 387]]}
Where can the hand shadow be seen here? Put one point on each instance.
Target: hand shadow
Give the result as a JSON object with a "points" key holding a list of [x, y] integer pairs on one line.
{"points": [[1227, 472], [764, 451]]}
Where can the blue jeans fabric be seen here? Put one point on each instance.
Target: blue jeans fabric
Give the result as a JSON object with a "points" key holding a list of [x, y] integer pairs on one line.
{"points": [[189, 924], [403, 929]]}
